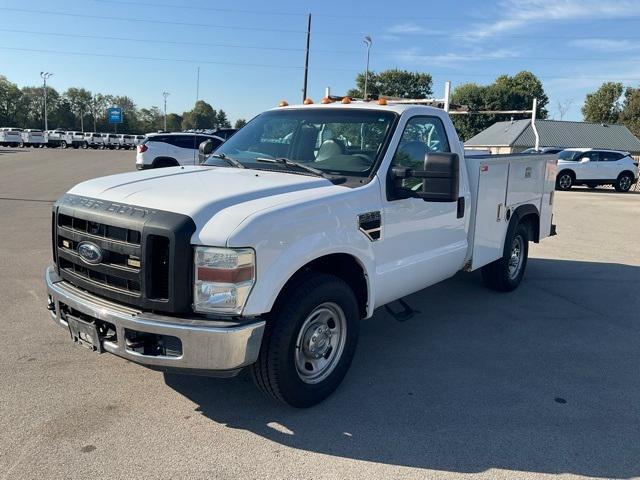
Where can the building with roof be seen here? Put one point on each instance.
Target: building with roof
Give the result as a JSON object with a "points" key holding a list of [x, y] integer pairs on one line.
{"points": [[516, 136]]}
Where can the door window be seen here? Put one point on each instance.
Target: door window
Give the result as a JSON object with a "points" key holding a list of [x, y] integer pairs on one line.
{"points": [[610, 156], [421, 135], [592, 156]]}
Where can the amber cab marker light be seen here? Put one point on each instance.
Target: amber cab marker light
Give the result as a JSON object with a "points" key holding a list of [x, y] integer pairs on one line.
{"points": [[283, 103], [307, 101], [326, 100], [346, 100], [382, 101]]}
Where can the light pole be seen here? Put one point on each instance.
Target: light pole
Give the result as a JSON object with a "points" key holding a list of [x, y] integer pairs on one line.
{"points": [[367, 41], [165, 95], [44, 76]]}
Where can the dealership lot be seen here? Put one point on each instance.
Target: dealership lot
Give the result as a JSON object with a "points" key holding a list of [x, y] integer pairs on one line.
{"points": [[540, 381]]}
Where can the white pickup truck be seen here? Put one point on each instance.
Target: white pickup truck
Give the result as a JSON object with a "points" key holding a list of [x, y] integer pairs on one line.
{"points": [[303, 223]]}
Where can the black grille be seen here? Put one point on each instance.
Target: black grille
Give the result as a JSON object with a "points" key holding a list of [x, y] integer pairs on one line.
{"points": [[120, 268], [146, 255]]}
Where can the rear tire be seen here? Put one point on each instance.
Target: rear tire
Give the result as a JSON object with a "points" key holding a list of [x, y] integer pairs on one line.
{"points": [[63, 144], [564, 180], [624, 182], [309, 341], [505, 274]]}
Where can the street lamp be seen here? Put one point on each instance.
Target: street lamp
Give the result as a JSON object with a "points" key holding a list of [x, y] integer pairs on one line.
{"points": [[165, 95], [44, 76], [367, 41]]}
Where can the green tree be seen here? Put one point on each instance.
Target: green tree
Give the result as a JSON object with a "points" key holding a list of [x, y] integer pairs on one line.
{"points": [[174, 122], [79, 100], [9, 101], [505, 93], [630, 114], [150, 120], [241, 122], [202, 116], [221, 120], [98, 109], [394, 83], [603, 105]]}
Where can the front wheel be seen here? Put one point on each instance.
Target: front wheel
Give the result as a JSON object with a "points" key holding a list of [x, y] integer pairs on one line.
{"points": [[624, 182], [564, 181], [505, 274], [309, 341], [63, 144]]}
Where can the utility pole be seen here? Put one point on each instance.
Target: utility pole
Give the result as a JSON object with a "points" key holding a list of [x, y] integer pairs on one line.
{"points": [[44, 76], [367, 41], [198, 85], [306, 60], [165, 95]]}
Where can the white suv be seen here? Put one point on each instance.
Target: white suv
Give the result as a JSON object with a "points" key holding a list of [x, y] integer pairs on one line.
{"points": [[172, 149], [595, 167]]}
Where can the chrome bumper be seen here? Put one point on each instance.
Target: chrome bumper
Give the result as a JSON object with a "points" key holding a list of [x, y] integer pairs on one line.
{"points": [[218, 348]]}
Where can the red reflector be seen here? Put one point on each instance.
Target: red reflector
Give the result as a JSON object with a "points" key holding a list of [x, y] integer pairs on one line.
{"points": [[484, 168], [142, 148], [222, 275]]}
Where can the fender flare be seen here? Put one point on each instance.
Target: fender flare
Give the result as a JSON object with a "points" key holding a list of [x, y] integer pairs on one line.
{"points": [[517, 215]]}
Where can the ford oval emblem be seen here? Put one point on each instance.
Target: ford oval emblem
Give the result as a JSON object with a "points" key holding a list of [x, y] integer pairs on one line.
{"points": [[90, 253]]}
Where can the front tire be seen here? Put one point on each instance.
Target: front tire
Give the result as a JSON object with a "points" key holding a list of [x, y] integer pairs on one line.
{"points": [[505, 274], [624, 182], [63, 144], [564, 181], [309, 341]]}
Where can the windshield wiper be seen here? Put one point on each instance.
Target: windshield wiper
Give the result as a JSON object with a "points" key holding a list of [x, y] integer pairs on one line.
{"points": [[290, 163], [229, 160]]}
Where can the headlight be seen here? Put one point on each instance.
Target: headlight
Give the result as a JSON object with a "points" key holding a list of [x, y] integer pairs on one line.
{"points": [[223, 279]]}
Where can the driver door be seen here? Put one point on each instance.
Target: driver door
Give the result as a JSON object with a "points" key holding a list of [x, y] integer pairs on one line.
{"points": [[423, 242]]}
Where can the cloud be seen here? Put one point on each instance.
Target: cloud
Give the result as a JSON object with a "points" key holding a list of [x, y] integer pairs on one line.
{"points": [[605, 45], [405, 28], [519, 14]]}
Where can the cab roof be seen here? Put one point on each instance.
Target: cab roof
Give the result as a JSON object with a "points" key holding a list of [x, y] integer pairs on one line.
{"points": [[398, 108]]}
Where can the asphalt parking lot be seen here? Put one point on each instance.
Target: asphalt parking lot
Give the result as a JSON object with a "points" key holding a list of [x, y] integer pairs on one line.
{"points": [[545, 380]]}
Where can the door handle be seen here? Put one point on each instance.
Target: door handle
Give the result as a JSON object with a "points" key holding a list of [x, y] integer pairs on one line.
{"points": [[460, 207]]}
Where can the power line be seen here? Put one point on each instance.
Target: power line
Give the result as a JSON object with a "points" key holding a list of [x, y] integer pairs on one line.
{"points": [[457, 74], [457, 18], [281, 30], [440, 57]]}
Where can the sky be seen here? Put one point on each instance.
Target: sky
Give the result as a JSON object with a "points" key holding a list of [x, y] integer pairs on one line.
{"points": [[251, 53]]}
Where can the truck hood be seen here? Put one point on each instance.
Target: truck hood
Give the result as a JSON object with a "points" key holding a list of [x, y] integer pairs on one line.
{"points": [[206, 194]]}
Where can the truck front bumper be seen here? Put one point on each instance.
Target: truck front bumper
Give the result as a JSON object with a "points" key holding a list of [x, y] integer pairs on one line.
{"points": [[202, 346]]}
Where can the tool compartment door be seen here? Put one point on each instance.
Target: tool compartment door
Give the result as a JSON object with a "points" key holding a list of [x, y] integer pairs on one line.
{"points": [[490, 224]]}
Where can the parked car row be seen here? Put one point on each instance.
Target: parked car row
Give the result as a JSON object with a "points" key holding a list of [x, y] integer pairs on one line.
{"points": [[17, 137]]}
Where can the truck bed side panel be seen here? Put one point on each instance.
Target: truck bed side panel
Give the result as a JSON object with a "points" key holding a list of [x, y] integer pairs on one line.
{"points": [[490, 225], [546, 204]]}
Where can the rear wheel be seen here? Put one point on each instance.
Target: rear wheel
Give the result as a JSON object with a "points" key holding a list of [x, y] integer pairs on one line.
{"points": [[309, 341], [505, 274], [63, 144], [564, 181], [624, 182]]}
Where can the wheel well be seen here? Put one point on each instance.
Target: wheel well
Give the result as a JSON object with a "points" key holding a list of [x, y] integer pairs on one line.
{"points": [[532, 221], [160, 162], [627, 171], [566, 170], [341, 265]]}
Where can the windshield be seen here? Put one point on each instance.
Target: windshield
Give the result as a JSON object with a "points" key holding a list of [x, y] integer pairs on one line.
{"points": [[336, 141], [569, 155]]}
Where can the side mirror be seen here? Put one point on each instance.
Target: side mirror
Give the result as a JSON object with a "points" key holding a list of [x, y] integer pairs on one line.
{"points": [[204, 150], [438, 181], [584, 159]]}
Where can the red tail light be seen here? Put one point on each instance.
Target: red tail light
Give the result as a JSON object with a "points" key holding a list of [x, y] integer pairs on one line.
{"points": [[142, 148]]}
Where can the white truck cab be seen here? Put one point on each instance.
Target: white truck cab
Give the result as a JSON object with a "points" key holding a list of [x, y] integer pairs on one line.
{"points": [[594, 167], [268, 254], [93, 140]]}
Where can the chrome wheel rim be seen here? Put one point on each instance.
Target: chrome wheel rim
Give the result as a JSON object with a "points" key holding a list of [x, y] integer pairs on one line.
{"points": [[320, 342], [565, 181], [625, 183], [515, 259]]}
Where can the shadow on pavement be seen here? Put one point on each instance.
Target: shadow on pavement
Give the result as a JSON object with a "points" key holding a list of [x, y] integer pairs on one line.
{"points": [[544, 379]]}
